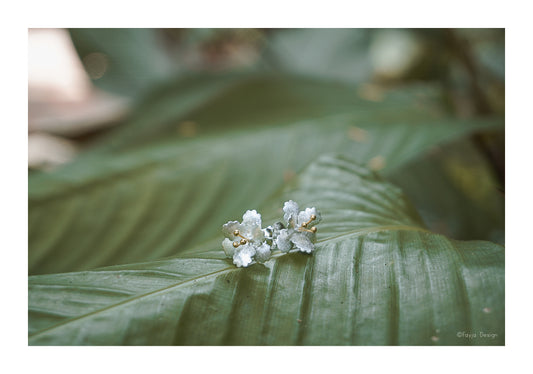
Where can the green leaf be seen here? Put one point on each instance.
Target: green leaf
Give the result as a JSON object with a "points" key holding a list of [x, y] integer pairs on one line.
{"points": [[220, 103], [377, 277], [148, 191]]}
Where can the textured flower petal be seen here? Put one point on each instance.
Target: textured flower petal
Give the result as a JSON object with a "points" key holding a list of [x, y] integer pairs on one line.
{"points": [[305, 216], [283, 241], [228, 228], [263, 253], [251, 218], [243, 255], [302, 242], [290, 210], [256, 234], [229, 249]]}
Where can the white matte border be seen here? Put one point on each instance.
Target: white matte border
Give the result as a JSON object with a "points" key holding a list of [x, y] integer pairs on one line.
{"points": [[17, 17]]}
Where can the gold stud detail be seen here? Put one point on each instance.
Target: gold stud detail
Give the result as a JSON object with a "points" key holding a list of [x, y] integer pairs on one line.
{"points": [[313, 229], [237, 233], [243, 241], [236, 244], [305, 224]]}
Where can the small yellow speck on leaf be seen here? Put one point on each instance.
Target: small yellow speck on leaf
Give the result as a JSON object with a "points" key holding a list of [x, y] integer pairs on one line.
{"points": [[288, 175], [371, 92], [357, 134], [187, 129], [377, 163]]}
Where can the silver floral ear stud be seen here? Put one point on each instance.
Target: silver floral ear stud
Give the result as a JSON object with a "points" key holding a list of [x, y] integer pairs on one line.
{"points": [[247, 242], [301, 229]]}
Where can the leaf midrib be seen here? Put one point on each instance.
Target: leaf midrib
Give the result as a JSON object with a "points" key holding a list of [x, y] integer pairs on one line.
{"points": [[354, 233]]}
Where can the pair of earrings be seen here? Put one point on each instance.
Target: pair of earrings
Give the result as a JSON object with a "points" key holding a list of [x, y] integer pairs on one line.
{"points": [[247, 242]]}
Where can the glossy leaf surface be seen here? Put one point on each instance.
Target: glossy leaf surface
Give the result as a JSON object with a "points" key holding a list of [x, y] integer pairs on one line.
{"points": [[199, 152], [377, 273]]}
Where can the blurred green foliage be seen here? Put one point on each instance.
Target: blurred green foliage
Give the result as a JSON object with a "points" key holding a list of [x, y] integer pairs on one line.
{"points": [[210, 163], [172, 72]]}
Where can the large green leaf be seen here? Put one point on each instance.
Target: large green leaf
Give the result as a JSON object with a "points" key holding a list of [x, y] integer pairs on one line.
{"points": [[148, 191], [377, 278]]}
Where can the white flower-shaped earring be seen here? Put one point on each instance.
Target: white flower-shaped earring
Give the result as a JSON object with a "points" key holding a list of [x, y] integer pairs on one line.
{"points": [[300, 231], [245, 242]]}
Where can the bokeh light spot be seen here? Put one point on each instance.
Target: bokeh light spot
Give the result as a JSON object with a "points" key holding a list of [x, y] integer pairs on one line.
{"points": [[377, 163], [96, 64]]}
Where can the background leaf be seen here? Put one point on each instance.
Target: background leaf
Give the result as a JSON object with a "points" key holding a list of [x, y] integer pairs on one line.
{"points": [[122, 61], [377, 272], [456, 191], [187, 160], [336, 54]]}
